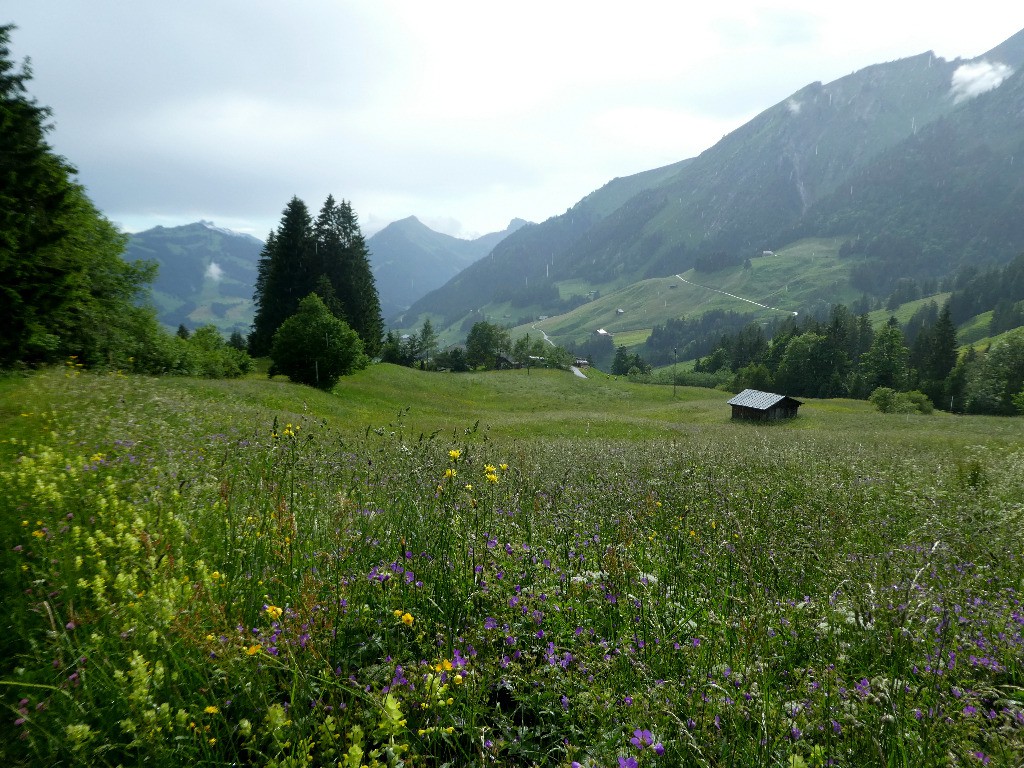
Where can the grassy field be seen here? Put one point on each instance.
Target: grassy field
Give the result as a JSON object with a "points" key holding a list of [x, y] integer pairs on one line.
{"points": [[807, 274], [507, 569]]}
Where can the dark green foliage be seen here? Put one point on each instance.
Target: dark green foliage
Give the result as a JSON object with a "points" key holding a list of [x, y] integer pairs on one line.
{"points": [[340, 255], [694, 337], [540, 292], [995, 378], [64, 289], [399, 350], [411, 349], [530, 352], [624, 362], [888, 400], [329, 258], [314, 347], [237, 341], [484, 343], [717, 261], [282, 277], [754, 377], [885, 363], [453, 359], [978, 291]]}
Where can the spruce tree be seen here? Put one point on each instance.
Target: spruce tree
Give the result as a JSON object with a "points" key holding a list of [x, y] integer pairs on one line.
{"points": [[943, 353], [342, 255], [283, 275], [64, 289]]}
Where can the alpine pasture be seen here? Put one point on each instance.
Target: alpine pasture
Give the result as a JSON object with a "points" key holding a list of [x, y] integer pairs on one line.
{"points": [[513, 569]]}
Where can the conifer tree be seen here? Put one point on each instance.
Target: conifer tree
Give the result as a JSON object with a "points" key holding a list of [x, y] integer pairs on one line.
{"points": [[64, 288], [943, 353], [283, 275], [342, 255], [885, 363]]}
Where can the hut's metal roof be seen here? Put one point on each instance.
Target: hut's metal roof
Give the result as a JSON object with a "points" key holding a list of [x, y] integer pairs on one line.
{"points": [[762, 401]]}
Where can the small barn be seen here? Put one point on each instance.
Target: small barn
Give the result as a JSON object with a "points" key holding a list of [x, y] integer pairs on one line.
{"points": [[754, 405]]}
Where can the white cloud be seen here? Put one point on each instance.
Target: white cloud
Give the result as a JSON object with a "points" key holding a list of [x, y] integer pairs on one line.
{"points": [[975, 78], [794, 106], [214, 272]]}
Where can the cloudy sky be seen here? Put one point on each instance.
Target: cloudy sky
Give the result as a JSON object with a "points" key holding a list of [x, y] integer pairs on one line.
{"points": [[464, 114]]}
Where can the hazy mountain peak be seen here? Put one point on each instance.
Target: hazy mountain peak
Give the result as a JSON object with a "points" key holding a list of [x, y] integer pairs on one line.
{"points": [[222, 230]]}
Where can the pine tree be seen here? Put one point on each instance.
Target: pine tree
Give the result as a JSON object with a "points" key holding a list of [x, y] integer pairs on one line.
{"points": [[284, 275], [342, 255], [33, 194], [261, 336], [329, 258]]}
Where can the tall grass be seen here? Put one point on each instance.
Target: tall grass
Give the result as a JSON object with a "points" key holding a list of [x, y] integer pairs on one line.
{"points": [[190, 579]]}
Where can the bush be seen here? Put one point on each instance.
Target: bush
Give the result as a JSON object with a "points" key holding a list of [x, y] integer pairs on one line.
{"points": [[888, 400], [314, 347]]}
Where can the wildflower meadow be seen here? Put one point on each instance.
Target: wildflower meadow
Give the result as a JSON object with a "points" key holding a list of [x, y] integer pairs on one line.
{"points": [[194, 580]]}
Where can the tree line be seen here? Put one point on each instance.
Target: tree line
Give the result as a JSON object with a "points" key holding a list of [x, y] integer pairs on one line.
{"points": [[843, 356]]}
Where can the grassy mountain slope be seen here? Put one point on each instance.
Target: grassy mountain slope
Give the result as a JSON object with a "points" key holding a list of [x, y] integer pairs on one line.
{"points": [[955, 190], [922, 165], [808, 274], [530, 251], [206, 274]]}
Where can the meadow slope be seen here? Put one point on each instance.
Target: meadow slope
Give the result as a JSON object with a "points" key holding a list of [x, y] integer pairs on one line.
{"points": [[501, 569]]}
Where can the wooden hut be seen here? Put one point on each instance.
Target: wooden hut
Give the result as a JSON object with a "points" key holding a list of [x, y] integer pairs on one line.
{"points": [[754, 405]]}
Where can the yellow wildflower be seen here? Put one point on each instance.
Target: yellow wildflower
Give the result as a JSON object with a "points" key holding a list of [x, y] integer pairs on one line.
{"points": [[490, 469], [454, 454], [274, 612], [449, 473], [503, 467], [211, 710], [407, 619], [252, 650]]}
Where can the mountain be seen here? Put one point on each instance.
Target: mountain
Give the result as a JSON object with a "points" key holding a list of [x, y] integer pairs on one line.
{"points": [[911, 153], [409, 259], [206, 274]]}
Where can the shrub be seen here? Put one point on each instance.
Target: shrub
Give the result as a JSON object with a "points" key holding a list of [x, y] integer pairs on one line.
{"points": [[314, 347], [888, 400]]}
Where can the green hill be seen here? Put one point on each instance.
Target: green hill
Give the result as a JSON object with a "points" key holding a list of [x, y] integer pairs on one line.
{"points": [[206, 274]]}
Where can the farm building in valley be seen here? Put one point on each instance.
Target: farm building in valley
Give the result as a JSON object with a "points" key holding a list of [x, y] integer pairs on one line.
{"points": [[754, 405]]}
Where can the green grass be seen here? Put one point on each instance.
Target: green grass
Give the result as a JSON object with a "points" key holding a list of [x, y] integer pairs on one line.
{"points": [[501, 569], [905, 311], [808, 273]]}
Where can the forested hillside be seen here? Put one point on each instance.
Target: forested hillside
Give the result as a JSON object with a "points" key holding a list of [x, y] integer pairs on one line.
{"points": [[918, 172]]}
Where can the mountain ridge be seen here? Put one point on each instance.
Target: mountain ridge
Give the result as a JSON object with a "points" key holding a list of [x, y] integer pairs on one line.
{"points": [[780, 175]]}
